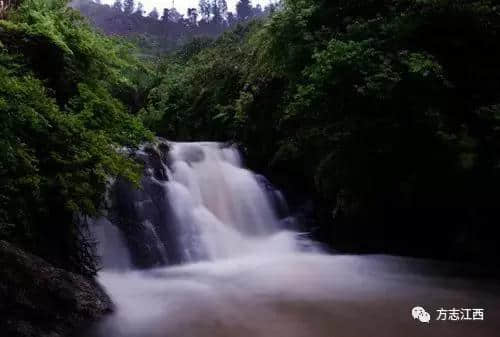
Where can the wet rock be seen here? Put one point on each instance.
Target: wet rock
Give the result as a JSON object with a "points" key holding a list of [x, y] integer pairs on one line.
{"points": [[131, 208], [154, 157], [39, 300], [141, 213]]}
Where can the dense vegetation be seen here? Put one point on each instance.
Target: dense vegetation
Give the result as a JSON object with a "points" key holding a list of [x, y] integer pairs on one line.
{"points": [[66, 101], [164, 30], [387, 112]]}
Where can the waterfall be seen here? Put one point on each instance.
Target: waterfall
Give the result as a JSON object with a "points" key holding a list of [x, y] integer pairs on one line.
{"points": [[220, 209], [197, 202], [202, 249], [112, 248]]}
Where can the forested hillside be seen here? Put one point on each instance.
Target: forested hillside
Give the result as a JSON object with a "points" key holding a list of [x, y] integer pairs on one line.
{"points": [[378, 119], [386, 112], [164, 29], [67, 102]]}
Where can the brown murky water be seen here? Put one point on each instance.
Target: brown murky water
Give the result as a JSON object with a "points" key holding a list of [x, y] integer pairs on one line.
{"points": [[296, 295]]}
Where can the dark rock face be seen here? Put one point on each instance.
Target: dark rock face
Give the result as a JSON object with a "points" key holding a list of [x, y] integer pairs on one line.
{"points": [[39, 300], [139, 213], [142, 214]]}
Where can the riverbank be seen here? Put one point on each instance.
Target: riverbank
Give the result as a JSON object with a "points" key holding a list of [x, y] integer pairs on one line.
{"points": [[39, 300]]}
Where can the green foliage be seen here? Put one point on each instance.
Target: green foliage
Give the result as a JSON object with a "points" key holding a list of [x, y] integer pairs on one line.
{"points": [[388, 109], [387, 112], [63, 119], [196, 95]]}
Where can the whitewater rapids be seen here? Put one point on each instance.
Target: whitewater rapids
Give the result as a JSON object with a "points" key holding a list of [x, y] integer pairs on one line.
{"points": [[248, 276]]}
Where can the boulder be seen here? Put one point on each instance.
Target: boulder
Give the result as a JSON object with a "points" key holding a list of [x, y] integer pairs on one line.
{"points": [[39, 300]]}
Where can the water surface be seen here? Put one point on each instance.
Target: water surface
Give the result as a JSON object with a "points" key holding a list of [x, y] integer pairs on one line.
{"points": [[247, 275]]}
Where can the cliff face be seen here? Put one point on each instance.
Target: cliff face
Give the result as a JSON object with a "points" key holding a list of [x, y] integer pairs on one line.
{"points": [[39, 300]]}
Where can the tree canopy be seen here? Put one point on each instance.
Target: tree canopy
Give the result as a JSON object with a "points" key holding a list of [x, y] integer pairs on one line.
{"points": [[65, 110], [386, 111], [173, 29]]}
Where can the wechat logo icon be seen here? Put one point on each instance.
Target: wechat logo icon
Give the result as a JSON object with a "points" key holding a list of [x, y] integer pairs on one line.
{"points": [[420, 314]]}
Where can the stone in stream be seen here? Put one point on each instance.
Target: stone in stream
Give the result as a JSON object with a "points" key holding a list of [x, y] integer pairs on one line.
{"points": [[39, 300]]}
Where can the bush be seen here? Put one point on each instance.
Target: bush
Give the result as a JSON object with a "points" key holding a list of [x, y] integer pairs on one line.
{"points": [[63, 118]]}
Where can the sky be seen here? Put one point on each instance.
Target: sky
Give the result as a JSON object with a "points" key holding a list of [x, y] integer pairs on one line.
{"points": [[183, 5]]}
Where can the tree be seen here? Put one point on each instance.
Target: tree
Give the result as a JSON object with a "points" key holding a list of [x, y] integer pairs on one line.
{"points": [[244, 10], [217, 18], [270, 9], [171, 15], [128, 7], [257, 11], [49, 185], [192, 14], [118, 5], [222, 4], [205, 9], [231, 19], [154, 14], [174, 15], [166, 15], [140, 9]]}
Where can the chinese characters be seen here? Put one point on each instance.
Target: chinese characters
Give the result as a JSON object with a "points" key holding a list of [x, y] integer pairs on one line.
{"points": [[462, 314], [453, 314]]}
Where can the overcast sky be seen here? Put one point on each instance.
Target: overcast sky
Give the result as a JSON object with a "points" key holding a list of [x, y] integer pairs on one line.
{"points": [[183, 5]]}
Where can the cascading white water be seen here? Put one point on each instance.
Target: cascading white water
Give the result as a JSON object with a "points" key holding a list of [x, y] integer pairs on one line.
{"points": [[256, 281], [212, 196], [112, 248]]}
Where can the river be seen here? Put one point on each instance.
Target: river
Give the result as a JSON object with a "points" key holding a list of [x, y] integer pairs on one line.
{"points": [[246, 274]]}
